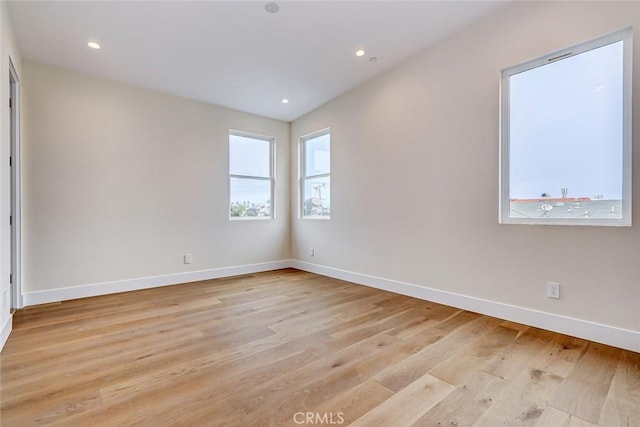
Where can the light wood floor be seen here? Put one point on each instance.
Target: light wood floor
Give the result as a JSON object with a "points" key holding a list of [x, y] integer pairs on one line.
{"points": [[256, 350]]}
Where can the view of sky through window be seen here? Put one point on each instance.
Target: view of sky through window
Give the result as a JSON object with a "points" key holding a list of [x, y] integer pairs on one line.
{"points": [[566, 127], [318, 160], [249, 156]]}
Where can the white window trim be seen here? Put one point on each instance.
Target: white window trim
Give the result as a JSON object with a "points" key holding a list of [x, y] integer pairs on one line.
{"points": [[302, 172], [272, 175], [626, 36]]}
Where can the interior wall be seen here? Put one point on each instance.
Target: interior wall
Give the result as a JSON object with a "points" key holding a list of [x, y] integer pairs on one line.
{"points": [[415, 176], [8, 52], [119, 183]]}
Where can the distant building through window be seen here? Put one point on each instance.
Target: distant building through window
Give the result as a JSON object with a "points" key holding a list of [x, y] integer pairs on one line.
{"points": [[315, 175], [251, 182], [566, 136]]}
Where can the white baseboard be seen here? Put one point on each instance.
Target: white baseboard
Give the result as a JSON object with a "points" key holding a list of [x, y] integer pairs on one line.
{"points": [[605, 334], [104, 288], [6, 330]]}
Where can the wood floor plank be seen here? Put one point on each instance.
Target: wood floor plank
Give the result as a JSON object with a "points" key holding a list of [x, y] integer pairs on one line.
{"points": [[398, 376], [465, 403], [622, 406], [584, 392], [517, 326], [257, 349], [552, 417], [433, 317], [463, 364], [516, 357], [409, 404], [527, 396], [352, 403]]}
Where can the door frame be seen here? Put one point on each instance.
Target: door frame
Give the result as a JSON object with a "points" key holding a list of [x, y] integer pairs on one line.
{"points": [[16, 189]]}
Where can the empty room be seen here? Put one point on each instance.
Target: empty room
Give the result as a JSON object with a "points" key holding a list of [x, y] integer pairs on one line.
{"points": [[296, 213]]}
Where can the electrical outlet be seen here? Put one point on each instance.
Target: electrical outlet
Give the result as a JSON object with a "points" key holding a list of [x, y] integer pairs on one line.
{"points": [[553, 290], [188, 258], [312, 252]]}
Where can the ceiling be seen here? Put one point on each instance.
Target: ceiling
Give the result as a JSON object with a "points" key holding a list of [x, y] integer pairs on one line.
{"points": [[234, 53]]}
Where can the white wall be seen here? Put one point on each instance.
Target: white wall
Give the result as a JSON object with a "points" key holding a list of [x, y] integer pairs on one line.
{"points": [[415, 178], [8, 52], [119, 183]]}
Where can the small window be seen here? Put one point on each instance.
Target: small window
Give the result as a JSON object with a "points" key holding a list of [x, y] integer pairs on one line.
{"points": [[315, 180], [565, 142], [250, 176]]}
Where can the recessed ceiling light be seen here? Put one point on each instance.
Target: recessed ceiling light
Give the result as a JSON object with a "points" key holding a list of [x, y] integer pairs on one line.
{"points": [[285, 101], [360, 52], [94, 45], [272, 7], [373, 59]]}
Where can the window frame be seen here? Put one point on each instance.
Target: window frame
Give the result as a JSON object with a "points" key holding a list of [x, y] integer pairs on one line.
{"points": [[304, 177], [271, 178], [624, 35]]}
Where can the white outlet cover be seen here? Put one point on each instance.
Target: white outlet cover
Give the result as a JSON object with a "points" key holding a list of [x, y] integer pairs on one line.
{"points": [[553, 290]]}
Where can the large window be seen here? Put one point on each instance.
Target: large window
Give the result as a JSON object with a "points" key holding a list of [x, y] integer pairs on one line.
{"points": [[250, 176], [566, 136], [315, 180]]}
